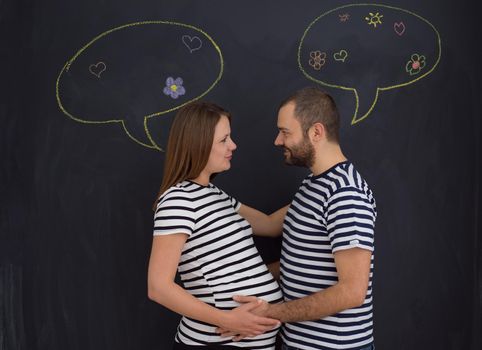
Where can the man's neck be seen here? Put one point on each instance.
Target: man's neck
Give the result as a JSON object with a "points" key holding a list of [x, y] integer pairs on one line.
{"points": [[326, 158]]}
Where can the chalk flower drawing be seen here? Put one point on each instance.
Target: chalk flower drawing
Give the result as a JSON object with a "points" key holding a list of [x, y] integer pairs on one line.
{"points": [[174, 87], [416, 64], [317, 60], [344, 17]]}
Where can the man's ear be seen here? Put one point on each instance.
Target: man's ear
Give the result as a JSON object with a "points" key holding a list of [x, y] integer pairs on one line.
{"points": [[318, 132]]}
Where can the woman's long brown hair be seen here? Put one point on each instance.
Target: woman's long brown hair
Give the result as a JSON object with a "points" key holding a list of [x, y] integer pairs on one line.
{"points": [[190, 142]]}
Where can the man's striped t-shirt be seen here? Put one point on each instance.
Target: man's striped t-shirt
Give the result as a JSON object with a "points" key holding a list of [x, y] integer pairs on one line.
{"points": [[330, 212], [218, 260]]}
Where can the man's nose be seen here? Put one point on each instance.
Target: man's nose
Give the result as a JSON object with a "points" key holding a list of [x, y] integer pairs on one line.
{"points": [[278, 140]]}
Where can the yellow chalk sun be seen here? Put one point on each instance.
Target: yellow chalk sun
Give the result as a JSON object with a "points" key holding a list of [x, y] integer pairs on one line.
{"points": [[374, 19]]}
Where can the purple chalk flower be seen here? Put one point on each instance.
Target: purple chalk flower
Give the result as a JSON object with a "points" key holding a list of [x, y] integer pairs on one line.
{"points": [[174, 87]]}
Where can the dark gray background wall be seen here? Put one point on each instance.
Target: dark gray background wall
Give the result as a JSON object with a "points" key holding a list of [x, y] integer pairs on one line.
{"points": [[75, 198]]}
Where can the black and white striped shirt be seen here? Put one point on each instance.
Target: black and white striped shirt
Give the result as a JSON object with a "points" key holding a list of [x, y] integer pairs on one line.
{"points": [[330, 212], [218, 260]]}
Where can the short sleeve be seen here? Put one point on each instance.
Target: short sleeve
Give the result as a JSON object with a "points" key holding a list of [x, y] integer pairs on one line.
{"points": [[175, 213], [234, 202], [350, 220]]}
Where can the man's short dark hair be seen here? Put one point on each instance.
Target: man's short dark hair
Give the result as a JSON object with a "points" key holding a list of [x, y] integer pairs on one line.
{"points": [[313, 105]]}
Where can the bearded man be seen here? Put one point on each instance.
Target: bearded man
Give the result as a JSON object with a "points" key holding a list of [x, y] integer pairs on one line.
{"points": [[326, 265]]}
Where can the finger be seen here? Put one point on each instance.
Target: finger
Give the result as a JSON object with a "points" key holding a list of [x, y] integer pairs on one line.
{"points": [[260, 304], [260, 329], [250, 305], [266, 321], [241, 336], [238, 337], [244, 299], [221, 330], [228, 334]]}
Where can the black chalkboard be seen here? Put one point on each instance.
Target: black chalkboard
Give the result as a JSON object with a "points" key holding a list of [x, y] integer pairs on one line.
{"points": [[89, 89]]}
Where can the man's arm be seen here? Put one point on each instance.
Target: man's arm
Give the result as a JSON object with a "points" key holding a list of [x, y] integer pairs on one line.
{"points": [[264, 225], [353, 266], [274, 269]]}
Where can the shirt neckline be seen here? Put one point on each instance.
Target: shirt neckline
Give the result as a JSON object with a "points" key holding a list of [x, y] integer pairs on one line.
{"points": [[209, 185], [329, 170]]}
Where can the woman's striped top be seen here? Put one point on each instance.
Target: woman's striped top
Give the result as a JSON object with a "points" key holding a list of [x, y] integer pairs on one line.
{"points": [[219, 258]]}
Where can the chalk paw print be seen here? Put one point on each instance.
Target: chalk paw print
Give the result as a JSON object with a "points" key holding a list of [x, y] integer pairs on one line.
{"points": [[317, 59]]}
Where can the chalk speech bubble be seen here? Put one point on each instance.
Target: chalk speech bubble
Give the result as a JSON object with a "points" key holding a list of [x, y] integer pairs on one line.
{"points": [[138, 71], [368, 48]]}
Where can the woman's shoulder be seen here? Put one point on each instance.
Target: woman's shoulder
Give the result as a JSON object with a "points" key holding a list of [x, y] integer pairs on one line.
{"points": [[185, 191], [179, 189]]}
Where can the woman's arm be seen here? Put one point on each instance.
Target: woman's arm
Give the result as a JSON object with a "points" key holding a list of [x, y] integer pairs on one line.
{"points": [[262, 224], [165, 255]]}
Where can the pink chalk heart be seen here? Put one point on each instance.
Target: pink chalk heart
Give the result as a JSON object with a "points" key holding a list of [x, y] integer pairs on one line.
{"points": [[97, 68], [399, 28]]}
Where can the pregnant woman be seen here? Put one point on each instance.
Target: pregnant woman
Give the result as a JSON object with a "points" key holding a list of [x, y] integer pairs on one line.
{"points": [[206, 235]]}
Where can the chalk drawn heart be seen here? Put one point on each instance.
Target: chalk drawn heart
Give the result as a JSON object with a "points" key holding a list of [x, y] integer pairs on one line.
{"points": [[340, 56], [192, 43], [97, 68], [399, 28]]}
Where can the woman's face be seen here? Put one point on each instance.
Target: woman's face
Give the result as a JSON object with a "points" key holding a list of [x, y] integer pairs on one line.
{"points": [[222, 149]]}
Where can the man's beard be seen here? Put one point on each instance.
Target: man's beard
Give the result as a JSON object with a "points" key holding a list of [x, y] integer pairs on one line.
{"points": [[302, 154]]}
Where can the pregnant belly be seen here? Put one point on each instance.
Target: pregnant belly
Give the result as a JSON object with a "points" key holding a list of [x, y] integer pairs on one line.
{"points": [[263, 287]]}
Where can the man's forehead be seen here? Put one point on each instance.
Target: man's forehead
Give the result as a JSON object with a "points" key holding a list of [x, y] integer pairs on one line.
{"points": [[287, 119], [288, 108]]}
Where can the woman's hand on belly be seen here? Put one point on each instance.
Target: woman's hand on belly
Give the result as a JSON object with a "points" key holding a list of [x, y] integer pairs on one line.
{"points": [[243, 321]]}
